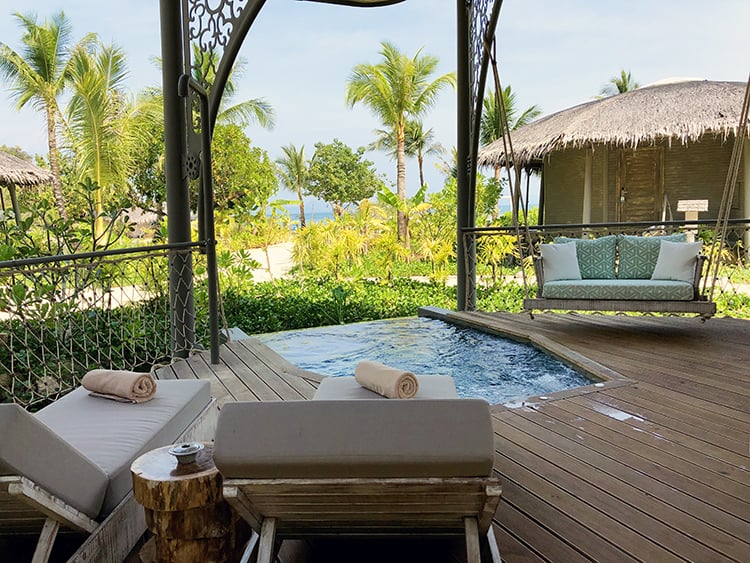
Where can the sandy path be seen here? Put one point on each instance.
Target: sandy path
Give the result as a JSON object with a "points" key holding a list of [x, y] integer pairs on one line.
{"points": [[280, 256]]}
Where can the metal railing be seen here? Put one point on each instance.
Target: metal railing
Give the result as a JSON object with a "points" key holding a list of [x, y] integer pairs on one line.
{"points": [[63, 315], [500, 249]]}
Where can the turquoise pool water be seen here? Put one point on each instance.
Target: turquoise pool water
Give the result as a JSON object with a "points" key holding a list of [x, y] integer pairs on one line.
{"points": [[486, 366]]}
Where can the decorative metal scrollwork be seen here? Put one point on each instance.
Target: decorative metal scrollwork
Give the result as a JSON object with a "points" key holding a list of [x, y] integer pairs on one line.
{"points": [[209, 28], [483, 19], [213, 32]]}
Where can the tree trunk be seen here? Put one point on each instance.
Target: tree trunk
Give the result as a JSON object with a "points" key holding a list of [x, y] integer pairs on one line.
{"points": [[54, 162], [497, 211], [401, 182], [301, 208], [420, 161]]}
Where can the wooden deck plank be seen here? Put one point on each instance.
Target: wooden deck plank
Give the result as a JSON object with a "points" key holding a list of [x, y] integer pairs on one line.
{"points": [[610, 506], [648, 477], [698, 423], [567, 513], [224, 385], [681, 403], [272, 369], [250, 372], [652, 466], [658, 444]]}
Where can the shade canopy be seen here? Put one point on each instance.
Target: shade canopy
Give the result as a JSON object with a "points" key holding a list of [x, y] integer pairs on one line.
{"points": [[16, 171], [681, 111]]}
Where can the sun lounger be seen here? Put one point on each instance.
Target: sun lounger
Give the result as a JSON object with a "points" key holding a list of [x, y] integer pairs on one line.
{"points": [[69, 464], [298, 469]]}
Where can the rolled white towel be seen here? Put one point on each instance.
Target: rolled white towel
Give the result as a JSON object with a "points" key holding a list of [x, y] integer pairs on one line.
{"points": [[120, 385], [388, 381]]}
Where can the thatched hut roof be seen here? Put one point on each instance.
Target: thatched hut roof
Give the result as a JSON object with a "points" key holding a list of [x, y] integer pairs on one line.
{"points": [[682, 111], [16, 171]]}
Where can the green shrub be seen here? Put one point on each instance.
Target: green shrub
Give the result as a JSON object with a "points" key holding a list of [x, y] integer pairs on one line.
{"points": [[290, 304]]}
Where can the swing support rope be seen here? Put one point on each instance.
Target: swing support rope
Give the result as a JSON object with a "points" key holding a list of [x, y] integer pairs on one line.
{"points": [[720, 232], [517, 203]]}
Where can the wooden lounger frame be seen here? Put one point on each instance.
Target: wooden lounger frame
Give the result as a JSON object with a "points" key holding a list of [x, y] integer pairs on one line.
{"points": [[25, 508], [301, 508]]}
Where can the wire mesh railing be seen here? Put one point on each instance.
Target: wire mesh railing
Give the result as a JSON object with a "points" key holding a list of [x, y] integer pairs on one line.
{"points": [[499, 252], [61, 316]]}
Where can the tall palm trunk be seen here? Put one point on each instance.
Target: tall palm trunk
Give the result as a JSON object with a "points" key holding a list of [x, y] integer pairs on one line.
{"points": [[403, 226], [420, 162], [54, 162], [301, 208], [496, 211]]}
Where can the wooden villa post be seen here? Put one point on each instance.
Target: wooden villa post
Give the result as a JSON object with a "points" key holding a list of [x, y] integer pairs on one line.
{"points": [[587, 183]]}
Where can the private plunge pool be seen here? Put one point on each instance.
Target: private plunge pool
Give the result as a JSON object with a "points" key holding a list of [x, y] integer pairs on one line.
{"points": [[490, 367]]}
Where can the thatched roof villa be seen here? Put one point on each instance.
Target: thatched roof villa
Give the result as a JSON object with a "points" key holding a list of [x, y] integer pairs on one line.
{"points": [[635, 156], [14, 172]]}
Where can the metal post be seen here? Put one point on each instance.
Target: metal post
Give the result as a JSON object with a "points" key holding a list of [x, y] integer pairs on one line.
{"points": [[178, 205], [464, 208], [208, 232]]}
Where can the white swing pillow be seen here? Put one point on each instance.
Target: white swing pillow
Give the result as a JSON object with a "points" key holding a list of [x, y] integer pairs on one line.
{"points": [[560, 261], [677, 261]]}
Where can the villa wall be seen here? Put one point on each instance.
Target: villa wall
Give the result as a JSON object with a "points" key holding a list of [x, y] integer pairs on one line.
{"points": [[692, 171]]}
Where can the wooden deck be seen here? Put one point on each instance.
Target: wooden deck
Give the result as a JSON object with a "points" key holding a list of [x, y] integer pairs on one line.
{"points": [[651, 465]]}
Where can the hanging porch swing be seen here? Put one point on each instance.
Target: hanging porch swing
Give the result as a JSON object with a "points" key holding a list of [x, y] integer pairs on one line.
{"points": [[621, 273]]}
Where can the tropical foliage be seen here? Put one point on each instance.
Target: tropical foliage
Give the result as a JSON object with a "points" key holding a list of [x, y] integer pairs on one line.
{"points": [[396, 90], [39, 75], [244, 175], [341, 176], [619, 84], [293, 171]]}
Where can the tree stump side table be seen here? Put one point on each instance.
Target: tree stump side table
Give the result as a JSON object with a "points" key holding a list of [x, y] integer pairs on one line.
{"points": [[185, 508]]}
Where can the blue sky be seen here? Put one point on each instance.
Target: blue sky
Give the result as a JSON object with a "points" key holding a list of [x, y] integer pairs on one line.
{"points": [[554, 53]]}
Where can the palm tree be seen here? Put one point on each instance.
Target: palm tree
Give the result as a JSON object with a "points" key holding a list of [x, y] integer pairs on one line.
{"points": [[421, 143], [397, 89], [39, 75], [255, 110], [103, 125], [418, 143], [619, 84], [293, 174], [491, 129]]}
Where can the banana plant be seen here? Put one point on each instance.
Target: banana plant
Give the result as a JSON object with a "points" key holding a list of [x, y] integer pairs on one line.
{"points": [[409, 207]]}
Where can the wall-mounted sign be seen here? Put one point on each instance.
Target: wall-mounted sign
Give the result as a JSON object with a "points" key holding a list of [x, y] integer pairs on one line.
{"points": [[692, 205]]}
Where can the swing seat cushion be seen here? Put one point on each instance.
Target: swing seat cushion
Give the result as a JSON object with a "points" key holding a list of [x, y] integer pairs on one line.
{"points": [[619, 289], [638, 255], [596, 257]]}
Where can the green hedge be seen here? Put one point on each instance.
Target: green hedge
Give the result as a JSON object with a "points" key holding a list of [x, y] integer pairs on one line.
{"points": [[292, 304]]}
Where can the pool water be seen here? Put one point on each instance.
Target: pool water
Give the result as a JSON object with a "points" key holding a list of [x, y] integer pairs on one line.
{"points": [[496, 369]]}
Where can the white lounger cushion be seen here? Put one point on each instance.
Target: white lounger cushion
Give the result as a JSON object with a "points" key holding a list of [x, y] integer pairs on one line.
{"points": [[347, 388], [31, 449], [113, 434], [349, 439]]}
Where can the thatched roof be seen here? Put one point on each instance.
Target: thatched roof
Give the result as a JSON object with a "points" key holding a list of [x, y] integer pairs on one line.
{"points": [[682, 111], [19, 172]]}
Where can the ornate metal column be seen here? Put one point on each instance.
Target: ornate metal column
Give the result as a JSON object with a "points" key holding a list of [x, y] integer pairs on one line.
{"points": [[178, 205], [476, 23], [216, 31]]}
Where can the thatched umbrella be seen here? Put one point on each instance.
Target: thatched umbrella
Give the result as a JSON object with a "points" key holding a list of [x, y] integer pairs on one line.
{"points": [[14, 172], [681, 111]]}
